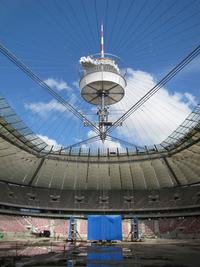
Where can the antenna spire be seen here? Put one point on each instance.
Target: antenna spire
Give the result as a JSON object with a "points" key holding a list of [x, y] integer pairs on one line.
{"points": [[102, 41]]}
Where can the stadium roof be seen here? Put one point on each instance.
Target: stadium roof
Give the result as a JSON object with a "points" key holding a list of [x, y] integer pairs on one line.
{"points": [[59, 140], [27, 160]]}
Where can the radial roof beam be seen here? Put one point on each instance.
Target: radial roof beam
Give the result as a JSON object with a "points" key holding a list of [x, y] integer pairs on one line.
{"points": [[171, 171], [36, 171]]}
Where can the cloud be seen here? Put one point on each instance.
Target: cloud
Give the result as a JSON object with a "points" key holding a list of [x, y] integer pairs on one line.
{"points": [[50, 142], [76, 84], [43, 108], [112, 145], [158, 117], [190, 99], [57, 84]]}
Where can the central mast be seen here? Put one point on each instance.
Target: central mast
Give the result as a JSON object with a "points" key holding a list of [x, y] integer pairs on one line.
{"points": [[103, 112], [101, 84], [102, 42]]}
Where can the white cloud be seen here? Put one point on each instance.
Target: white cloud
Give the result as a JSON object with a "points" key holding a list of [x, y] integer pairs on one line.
{"points": [[190, 99], [57, 84], [158, 117], [112, 145], [50, 142], [76, 84], [43, 108]]}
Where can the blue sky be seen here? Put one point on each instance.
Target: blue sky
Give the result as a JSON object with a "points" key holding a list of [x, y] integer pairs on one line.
{"points": [[151, 36]]}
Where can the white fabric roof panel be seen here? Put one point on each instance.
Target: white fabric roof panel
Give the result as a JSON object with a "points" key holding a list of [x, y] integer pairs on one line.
{"points": [[18, 166]]}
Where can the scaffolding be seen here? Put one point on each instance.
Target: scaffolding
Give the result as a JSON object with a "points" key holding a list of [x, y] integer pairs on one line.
{"points": [[73, 232], [134, 232]]}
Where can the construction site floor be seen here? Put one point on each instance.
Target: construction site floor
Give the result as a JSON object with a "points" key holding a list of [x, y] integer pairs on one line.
{"points": [[147, 253]]}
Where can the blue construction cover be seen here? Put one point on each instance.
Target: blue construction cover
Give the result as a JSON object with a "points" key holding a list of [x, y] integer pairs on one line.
{"points": [[104, 227]]}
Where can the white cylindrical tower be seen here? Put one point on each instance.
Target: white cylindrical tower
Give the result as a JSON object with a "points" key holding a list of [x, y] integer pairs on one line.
{"points": [[101, 76], [101, 83]]}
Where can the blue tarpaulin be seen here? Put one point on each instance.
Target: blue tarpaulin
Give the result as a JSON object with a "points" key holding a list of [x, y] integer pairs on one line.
{"points": [[104, 227]]}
